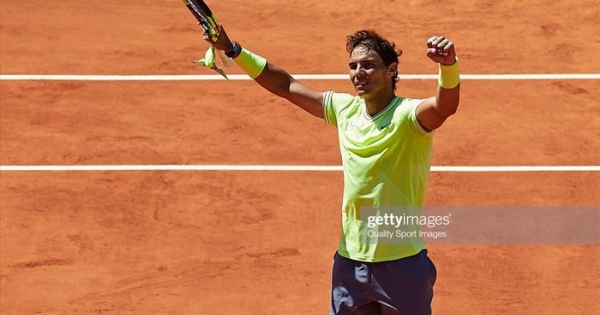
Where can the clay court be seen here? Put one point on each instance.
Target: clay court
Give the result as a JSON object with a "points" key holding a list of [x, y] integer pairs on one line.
{"points": [[231, 241]]}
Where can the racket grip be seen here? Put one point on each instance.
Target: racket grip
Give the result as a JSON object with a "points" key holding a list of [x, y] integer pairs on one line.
{"points": [[226, 61]]}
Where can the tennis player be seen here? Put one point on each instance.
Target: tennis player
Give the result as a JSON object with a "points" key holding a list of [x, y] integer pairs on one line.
{"points": [[385, 143]]}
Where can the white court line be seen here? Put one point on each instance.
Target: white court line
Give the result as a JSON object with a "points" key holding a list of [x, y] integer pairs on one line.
{"points": [[285, 168], [237, 77]]}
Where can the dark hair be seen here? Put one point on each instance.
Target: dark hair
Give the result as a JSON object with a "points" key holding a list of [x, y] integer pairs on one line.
{"points": [[373, 41]]}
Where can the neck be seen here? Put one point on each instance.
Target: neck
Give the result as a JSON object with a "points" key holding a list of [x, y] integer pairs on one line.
{"points": [[376, 103]]}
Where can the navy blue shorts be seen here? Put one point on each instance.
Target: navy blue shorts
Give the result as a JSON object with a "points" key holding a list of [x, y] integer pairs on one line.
{"points": [[397, 287]]}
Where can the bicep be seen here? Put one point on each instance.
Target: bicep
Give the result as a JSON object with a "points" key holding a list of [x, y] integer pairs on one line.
{"points": [[306, 98]]}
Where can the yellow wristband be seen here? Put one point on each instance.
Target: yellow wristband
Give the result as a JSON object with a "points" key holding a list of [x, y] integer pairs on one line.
{"points": [[449, 77], [251, 63]]}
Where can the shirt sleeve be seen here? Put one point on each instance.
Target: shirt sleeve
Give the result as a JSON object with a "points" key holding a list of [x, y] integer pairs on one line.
{"points": [[416, 127], [328, 108], [334, 105]]}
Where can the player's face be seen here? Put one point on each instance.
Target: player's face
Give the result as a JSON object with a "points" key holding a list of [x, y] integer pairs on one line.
{"points": [[368, 73]]}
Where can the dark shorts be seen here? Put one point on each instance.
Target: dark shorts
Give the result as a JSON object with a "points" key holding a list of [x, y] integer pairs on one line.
{"points": [[397, 287]]}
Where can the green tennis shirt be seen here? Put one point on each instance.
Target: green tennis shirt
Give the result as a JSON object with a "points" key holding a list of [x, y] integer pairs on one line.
{"points": [[386, 160]]}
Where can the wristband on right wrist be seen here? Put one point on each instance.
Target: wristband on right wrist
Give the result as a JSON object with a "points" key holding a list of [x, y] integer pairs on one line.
{"points": [[449, 76], [251, 63]]}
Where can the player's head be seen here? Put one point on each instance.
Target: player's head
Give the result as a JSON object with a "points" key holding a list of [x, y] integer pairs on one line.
{"points": [[372, 59]]}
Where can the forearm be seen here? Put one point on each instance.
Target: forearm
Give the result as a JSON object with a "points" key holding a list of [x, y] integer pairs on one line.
{"points": [[448, 90], [447, 100], [271, 77], [268, 75], [275, 80]]}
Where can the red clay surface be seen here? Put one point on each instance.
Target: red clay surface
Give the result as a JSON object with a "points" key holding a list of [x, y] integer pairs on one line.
{"points": [[262, 242]]}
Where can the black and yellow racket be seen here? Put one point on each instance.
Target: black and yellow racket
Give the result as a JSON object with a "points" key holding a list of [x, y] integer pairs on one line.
{"points": [[204, 16], [211, 27]]}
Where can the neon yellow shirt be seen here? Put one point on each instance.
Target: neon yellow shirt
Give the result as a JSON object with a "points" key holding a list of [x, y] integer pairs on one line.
{"points": [[386, 161]]}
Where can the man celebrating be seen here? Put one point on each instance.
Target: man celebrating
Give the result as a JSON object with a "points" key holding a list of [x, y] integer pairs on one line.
{"points": [[385, 143]]}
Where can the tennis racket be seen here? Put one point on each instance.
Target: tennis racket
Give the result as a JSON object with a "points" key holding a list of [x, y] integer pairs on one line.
{"points": [[210, 24]]}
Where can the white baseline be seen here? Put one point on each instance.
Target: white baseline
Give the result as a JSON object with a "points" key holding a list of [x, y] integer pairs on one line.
{"points": [[238, 77], [281, 168]]}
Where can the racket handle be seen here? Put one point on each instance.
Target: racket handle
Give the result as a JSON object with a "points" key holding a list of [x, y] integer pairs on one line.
{"points": [[226, 61]]}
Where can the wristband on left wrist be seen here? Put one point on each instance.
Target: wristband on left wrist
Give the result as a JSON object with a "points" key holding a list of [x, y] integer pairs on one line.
{"points": [[449, 76]]}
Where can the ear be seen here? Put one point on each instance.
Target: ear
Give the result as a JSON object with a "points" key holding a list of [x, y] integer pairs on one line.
{"points": [[393, 69]]}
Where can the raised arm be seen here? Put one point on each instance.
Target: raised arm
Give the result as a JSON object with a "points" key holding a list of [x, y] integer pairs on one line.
{"points": [[434, 111], [270, 76]]}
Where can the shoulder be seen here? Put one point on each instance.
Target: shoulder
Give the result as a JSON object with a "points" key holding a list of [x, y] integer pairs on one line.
{"points": [[338, 105], [406, 114], [406, 106], [339, 99]]}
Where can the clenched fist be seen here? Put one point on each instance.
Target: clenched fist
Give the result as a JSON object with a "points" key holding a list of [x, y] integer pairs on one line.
{"points": [[441, 50]]}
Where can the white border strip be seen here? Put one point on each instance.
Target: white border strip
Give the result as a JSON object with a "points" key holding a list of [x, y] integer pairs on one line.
{"points": [[283, 168], [237, 77]]}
